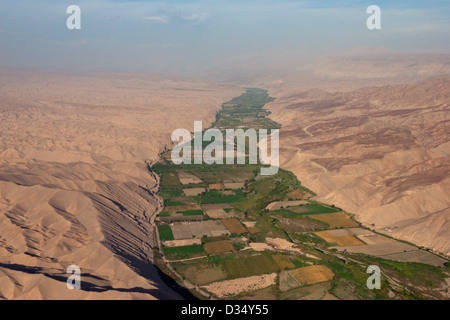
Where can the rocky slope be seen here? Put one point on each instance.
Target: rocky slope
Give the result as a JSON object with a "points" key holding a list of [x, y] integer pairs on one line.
{"points": [[382, 153]]}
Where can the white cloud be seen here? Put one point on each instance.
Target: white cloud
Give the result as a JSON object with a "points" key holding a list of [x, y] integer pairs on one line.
{"points": [[157, 19], [198, 18]]}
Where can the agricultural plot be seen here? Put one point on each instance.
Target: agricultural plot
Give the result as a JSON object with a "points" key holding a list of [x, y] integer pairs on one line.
{"points": [[182, 243], [312, 274], [317, 291], [376, 245], [253, 230], [234, 185], [185, 252], [300, 225], [263, 185], [230, 288], [287, 281], [251, 227], [268, 293], [216, 186], [193, 191], [171, 217], [167, 194], [283, 262], [345, 291], [249, 266], [170, 181], [188, 213], [213, 206], [226, 174], [188, 230], [222, 214], [419, 256], [304, 210], [285, 204], [218, 247], [177, 207], [165, 233], [180, 214], [220, 211], [383, 247], [228, 192], [218, 197], [188, 178], [201, 274], [335, 220], [234, 226], [343, 238], [247, 203]]}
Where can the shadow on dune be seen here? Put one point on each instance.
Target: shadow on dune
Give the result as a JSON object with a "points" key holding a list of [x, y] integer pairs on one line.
{"points": [[167, 288], [89, 282]]}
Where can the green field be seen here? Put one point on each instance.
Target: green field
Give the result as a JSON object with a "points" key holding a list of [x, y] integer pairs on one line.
{"points": [[165, 233], [249, 266], [171, 193], [200, 273], [184, 252], [263, 185], [170, 181], [191, 213], [218, 197], [304, 210]]}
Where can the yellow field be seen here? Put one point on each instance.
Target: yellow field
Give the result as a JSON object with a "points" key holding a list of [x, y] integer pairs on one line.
{"points": [[253, 230], [216, 186], [218, 247], [344, 241], [283, 262], [234, 226], [312, 274], [335, 220], [296, 195]]}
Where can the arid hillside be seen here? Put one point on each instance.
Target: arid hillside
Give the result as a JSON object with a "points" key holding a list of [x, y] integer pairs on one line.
{"points": [[74, 187], [382, 153]]}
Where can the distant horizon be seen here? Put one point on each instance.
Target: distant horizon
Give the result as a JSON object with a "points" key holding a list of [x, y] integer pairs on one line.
{"points": [[356, 53], [203, 38]]}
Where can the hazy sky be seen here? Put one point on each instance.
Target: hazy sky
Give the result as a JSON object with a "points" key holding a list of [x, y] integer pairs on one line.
{"points": [[187, 36]]}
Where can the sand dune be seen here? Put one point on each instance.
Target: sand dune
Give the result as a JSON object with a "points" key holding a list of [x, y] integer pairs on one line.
{"points": [[74, 186]]}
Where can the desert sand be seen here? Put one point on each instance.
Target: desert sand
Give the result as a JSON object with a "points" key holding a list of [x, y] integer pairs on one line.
{"points": [[74, 185], [381, 152]]}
